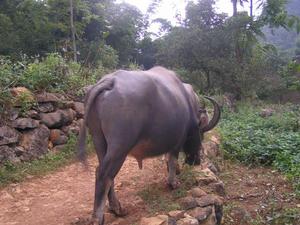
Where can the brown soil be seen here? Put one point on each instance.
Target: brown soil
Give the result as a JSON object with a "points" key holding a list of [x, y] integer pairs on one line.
{"points": [[257, 196], [66, 196]]}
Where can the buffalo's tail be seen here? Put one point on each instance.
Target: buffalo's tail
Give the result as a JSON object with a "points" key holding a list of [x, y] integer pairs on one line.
{"points": [[104, 84]]}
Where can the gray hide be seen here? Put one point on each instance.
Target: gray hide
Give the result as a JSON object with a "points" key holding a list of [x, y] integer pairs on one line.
{"points": [[143, 114]]}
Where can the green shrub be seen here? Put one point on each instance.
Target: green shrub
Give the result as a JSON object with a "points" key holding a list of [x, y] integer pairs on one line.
{"points": [[45, 75], [9, 76], [98, 54], [26, 102], [52, 73], [272, 141]]}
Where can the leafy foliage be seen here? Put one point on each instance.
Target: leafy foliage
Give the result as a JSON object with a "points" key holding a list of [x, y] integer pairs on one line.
{"points": [[289, 75], [275, 140], [52, 73]]}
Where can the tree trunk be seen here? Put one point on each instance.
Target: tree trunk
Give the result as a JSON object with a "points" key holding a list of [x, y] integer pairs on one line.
{"points": [[207, 80], [251, 8], [234, 4], [73, 31]]}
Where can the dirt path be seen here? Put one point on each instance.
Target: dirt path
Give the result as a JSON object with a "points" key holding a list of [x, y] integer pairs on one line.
{"points": [[66, 195]]}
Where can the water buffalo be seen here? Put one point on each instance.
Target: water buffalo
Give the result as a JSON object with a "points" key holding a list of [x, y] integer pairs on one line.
{"points": [[143, 114]]}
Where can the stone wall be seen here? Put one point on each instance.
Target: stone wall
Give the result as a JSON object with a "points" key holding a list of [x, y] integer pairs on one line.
{"points": [[44, 127], [204, 203]]}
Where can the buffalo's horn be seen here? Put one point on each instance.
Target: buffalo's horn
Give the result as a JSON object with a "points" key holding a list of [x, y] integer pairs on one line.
{"points": [[216, 117]]}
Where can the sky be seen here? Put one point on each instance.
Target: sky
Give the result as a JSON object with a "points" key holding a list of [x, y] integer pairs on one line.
{"points": [[169, 8]]}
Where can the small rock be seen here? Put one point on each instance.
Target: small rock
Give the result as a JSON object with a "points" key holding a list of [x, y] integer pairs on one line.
{"points": [[65, 104], [25, 123], [176, 214], [79, 109], [7, 154], [218, 188], [14, 113], [215, 139], [46, 107], [49, 97], [266, 112], [58, 119], [58, 148], [207, 177], [188, 202], [188, 221], [209, 200], [73, 128], [8, 135], [157, 220], [200, 213], [50, 145], [19, 151], [202, 181], [213, 168], [33, 114], [211, 149], [197, 192], [208, 172], [25, 209], [57, 137], [35, 142]]}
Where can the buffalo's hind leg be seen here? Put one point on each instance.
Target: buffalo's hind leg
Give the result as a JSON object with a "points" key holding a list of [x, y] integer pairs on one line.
{"points": [[114, 204], [101, 190], [109, 167]]}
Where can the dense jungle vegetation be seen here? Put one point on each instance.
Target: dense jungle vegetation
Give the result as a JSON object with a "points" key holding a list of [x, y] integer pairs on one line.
{"points": [[64, 45]]}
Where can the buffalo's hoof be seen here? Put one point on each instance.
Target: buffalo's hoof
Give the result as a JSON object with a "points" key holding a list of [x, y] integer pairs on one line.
{"points": [[174, 184], [120, 212], [96, 221]]}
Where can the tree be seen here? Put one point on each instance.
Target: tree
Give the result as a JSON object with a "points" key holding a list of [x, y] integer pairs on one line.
{"points": [[234, 4], [73, 30], [126, 28], [251, 8]]}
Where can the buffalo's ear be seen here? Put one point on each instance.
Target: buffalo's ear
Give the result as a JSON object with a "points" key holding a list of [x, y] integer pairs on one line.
{"points": [[203, 118]]}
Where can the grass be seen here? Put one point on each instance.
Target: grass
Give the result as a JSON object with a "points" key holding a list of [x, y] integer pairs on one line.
{"points": [[13, 173], [272, 216], [161, 199], [272, 141], [157, 199], [286, 216]]}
